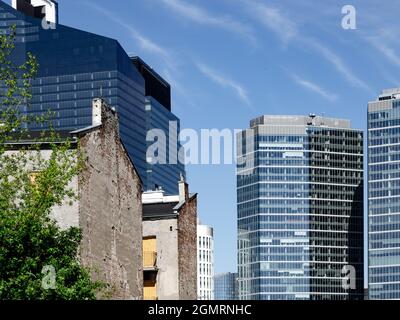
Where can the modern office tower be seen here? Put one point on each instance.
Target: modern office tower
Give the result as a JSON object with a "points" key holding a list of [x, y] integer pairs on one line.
{"points": [[160, 117], [205, 262], [225, 286], [384, 195], [300, 209], [76, 66]]}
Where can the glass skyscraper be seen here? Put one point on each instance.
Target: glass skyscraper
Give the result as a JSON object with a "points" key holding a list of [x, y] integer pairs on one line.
{"points": [[159, 117], [225, 286], [300, 209], [163, 175], [384, 195], [76, 66]]}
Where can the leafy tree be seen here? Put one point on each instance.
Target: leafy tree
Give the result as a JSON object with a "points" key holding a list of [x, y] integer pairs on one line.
{"points": [[38, 260]]}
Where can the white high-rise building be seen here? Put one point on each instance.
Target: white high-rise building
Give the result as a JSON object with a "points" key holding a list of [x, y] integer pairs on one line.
{"points": [[48, 9], [205, 262]]}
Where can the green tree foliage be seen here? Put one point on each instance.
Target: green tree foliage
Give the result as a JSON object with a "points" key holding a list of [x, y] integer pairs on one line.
{"points": [[38, 260]]}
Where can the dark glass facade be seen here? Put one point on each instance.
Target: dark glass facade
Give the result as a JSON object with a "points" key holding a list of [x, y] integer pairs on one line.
{"points": [[384, 196], [225, 286], [300, 209], [159, 116], [76, 66], [166, 175]]}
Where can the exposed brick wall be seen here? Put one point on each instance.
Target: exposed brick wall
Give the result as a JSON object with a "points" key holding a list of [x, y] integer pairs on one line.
{"points": [[187, 250], [111, 211]]}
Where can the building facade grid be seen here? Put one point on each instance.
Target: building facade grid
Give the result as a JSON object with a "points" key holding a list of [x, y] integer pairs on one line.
{"points": [[300, 208]]}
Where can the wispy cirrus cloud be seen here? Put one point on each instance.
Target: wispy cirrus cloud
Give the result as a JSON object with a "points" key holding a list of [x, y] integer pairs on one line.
{"points": [[149, 45], [273, 19], [282, 25], [313, 87], [170, 68], [202, 16], [143, 42], [225, 82], [337, 62], [380, 43]]}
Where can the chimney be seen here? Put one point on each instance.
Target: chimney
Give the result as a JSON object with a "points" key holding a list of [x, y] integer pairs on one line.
{"points": [[183, 190], [96, 111]]}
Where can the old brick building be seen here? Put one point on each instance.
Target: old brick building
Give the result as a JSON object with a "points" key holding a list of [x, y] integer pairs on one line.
{"points": [[170, 245], [109, 208]]}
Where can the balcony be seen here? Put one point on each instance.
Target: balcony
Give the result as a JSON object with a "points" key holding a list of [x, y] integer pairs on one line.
{"points": [[150, 260]]}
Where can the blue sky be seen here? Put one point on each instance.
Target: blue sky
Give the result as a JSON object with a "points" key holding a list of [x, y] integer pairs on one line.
{"points": [[229, 61]]}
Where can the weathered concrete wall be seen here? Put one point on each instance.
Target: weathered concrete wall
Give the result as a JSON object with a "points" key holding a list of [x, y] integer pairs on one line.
{"points": [[66, 215], [187, 248], [167, 256], [111, 211]]}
